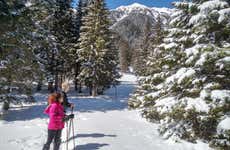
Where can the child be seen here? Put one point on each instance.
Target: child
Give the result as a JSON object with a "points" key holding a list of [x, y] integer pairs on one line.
{"points": [[52, 98], [56, 122]]}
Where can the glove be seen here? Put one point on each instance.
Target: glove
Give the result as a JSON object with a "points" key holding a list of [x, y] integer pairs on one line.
{"points": [[68, 117], [71, 116], [65, 119]]}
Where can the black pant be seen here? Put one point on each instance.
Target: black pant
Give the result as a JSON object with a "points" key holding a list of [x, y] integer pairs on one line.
{"points": [[53, 135]]}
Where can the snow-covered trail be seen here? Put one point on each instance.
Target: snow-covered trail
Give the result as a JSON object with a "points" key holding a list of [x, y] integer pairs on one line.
{"points": [[101, 123]]}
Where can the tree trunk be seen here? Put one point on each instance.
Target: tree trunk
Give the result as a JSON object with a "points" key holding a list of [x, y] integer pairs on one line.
{"points": [[50, 86], [94, 90], [39, 86], [90, 90], [56, 82], [79, 91], [76, 84]]}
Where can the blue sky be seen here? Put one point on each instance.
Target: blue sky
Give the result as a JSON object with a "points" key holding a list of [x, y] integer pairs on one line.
{"points": [[111, 4]]}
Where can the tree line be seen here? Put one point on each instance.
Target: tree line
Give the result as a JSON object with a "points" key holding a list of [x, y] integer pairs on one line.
{"points": [[50, 41], [185, 85]]}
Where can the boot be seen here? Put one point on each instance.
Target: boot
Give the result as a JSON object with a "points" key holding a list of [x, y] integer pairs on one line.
{"points": [[46, 147], [57, 144]]}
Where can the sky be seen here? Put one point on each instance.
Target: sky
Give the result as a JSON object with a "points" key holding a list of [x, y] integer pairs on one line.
{"points": [[112, 4]]}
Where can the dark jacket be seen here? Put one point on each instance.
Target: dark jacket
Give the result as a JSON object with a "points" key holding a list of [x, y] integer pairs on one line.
{"points": [[65, 100]]}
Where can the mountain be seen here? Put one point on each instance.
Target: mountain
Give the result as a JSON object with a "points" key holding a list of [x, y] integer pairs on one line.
{"points": [[136, 8], [134, 23]]}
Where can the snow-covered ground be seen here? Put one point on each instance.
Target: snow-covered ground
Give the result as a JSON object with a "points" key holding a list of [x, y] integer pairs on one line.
{"points": [[101, 123]]}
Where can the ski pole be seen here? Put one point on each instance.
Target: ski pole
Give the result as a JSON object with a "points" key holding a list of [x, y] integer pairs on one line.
{"points": [[73, 128], [67, 136], [73, 134]]}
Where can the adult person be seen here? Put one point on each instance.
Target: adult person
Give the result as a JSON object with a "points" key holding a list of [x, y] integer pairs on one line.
{"points": [[65, 88]]}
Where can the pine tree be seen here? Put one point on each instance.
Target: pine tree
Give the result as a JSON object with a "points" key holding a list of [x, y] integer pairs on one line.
{"points": [[57, 24], [61, 29], [147, 48], [188, 91], [96, 48], [210, 24], [19, 67], [77, 21], [125, 55], [44, 40]]}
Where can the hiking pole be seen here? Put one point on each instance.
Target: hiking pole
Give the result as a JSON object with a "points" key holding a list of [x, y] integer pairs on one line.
{"points": [[69, 126], [72, 122], [67, 135]]}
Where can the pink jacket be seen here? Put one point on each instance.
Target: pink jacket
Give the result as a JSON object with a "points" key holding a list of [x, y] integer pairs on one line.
{"points": [[56, 114]]}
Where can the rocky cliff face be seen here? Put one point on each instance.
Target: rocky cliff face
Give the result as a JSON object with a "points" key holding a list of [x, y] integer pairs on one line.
{"points": [[134, 22]]}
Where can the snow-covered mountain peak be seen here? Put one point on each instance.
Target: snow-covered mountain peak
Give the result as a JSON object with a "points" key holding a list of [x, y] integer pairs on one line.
{"points": [[131, 10], [163, 9], [133, 6], [140, 8]]}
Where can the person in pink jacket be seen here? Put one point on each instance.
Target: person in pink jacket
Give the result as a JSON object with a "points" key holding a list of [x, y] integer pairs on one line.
{"points": [[56, 122]]}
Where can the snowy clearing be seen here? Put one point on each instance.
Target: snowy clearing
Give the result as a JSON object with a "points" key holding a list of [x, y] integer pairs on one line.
{"points": [[101, 123]]}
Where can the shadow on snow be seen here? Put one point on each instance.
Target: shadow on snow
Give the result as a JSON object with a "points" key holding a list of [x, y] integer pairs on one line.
{"points": [[25, 113], [90, 146], [92, 135], [114, 99]]}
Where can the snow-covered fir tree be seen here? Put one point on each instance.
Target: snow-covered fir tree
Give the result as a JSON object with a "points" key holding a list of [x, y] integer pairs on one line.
{"points": [[19, 67], [147, 47], [56, 36], [189, 90], [63, 29], [44, 41], [97, 53], [77, 22]]}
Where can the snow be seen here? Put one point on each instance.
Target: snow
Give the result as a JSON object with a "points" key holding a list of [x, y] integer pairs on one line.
{"points": [[133, 6], [180, 75], [164, 10], [197, 103], [28, 4], [196, 19], [193, 50], [224, 14], [130, 78], [223, 62], [204, 94], [225, 59], [202, 59], [170, 46], [1, 108], [102, 123], [165, 104], [224, 124], [154, 94], [221, 95], [211, 5], [139, 8]]}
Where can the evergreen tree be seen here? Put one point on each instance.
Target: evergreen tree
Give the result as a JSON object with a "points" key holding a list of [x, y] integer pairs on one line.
{"points": [[77, 21], [44, 41], [147, 49], [188, 91], [61, 29], [57, 24], [19, 67], [96, 52]]}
